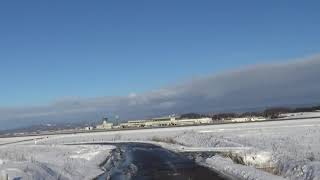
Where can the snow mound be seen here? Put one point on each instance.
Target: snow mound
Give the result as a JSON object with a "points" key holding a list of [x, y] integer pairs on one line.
{"points": [[53, 161], [243, 172]]}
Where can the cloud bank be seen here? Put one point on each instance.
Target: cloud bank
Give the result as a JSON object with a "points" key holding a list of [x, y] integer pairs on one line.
{"points": [[258, 86]]}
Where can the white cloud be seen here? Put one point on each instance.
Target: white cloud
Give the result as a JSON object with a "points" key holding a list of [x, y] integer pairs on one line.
{"points": [[257, 86]]}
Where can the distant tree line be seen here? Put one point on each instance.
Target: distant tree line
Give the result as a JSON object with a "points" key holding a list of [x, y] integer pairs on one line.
{"points": [[276, 111], [270, 113], [192, 116]]}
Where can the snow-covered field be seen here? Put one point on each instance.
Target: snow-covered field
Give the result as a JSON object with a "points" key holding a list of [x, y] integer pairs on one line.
{"points": [[286, 149], [301, 115], [4, 141], [52, 161]]}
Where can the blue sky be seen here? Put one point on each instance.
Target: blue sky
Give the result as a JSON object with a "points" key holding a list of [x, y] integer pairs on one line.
{"points": [[55, 49]]}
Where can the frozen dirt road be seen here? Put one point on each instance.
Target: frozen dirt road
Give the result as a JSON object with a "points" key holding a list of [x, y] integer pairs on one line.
{"points": [[139, 161]]}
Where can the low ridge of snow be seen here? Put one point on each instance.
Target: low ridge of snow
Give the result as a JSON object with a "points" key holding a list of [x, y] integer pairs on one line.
{"points": [[227, 166], [52, 161], [300, 115]]}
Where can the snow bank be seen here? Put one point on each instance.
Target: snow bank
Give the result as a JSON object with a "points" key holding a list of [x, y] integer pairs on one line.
{"points": [[5, 141], [52, 161], [290, 148], [227, 166], [300, 115]]}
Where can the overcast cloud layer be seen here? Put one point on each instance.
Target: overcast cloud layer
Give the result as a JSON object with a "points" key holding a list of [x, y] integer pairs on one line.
{"points": [[253, 87]]}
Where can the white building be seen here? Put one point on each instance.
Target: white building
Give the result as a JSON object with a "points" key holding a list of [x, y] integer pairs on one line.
{"points": [[105, 125], [193, 121], [165, 121], [88, 128], [259, 118], [246, 119]]}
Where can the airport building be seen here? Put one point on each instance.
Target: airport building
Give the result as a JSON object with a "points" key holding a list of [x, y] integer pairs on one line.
{"points": [[165, 121], [105, 124], [246, 119]]}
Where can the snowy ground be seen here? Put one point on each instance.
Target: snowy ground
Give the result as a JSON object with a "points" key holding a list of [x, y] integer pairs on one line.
{"points": [[4, 141], [288, 149], [52, 161], [300, 115]]}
